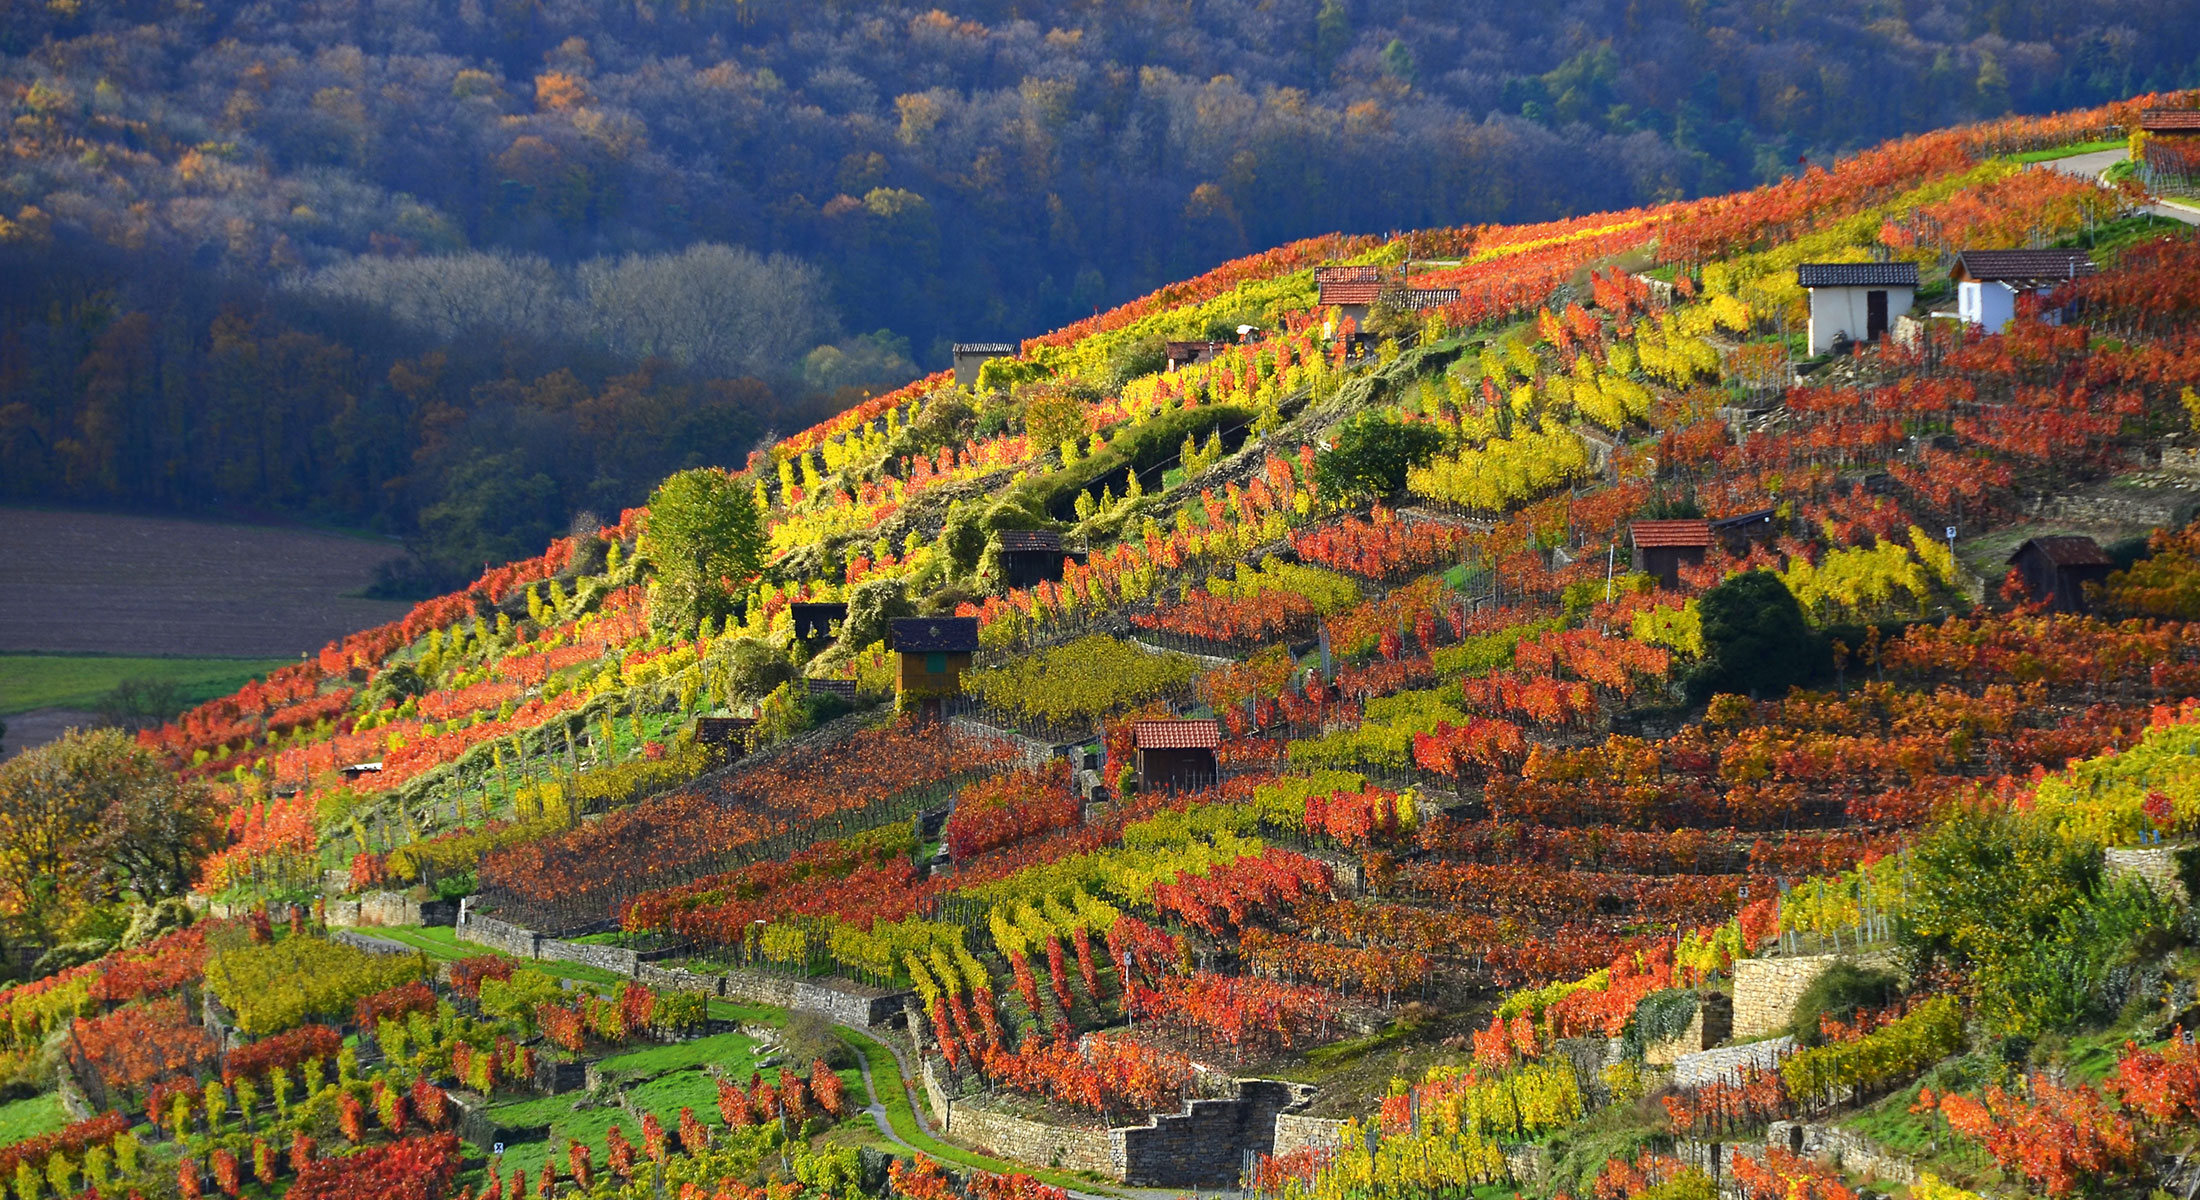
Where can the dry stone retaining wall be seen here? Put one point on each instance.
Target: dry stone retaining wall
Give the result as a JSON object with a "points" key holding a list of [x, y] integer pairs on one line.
{"points": [[1066, 1147], [388, 908], [370, 943], [1839, 1148], [1710, 1066], [1206, 1144], [501, 936], [1766, 989], [1294, 1132], [2154, 866], [840, 1001]]}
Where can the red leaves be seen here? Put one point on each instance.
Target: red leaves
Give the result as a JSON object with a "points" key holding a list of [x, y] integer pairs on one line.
{"points": [[922, 1179], [596, 867], [1377, 969], [395, 1003], [563, 1024], [1381, 547], [1246, 1015], [1503, 1042], [1270, 616], [158, 967], [1482, 745], [419, 1168], [467, 973], [2057, 1138], [431, 1103], [281, 1052], [72, 1141], [1009, 808], [136, 1046], [733, 1105], [1226, 895], [1781, 1175], [1110, 1077], [2162, 1084], [831, 1094]]}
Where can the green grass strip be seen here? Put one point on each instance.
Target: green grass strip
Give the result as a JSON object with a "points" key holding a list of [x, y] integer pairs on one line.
{"points": [[32, 681], [2069, 151], [30, 1117]]}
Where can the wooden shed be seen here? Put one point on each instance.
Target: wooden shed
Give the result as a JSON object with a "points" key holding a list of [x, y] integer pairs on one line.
{"points": [[2171, 140], [817, 619], [726, 738], [2056, 569], [969, 356], [1176, 755], [1743, 530], [1661, 548], [1030, 556], [1353, 290], [932, 653], [1191, 354]]}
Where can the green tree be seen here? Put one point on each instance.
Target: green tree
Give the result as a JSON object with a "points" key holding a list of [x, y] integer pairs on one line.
{"points": [[704, 537], [1332, 34], [1052, 415], [1369, 454], [89, 815], [1755, 640], [2033, 917], [1397, 60]]}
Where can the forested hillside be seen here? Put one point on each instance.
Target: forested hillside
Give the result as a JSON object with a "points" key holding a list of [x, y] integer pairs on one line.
{"points": [[403, 264]]}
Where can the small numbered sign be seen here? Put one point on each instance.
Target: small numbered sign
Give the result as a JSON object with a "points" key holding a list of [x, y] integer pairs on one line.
{"points": [[497, 1149], [1951, 533]]}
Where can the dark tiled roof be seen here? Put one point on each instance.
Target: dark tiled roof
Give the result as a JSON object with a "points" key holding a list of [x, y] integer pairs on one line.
{"points": [[1176, 735], [2172, 120], [819, 608], [2024, 266], [1421, 298], [717, 730], [1016, 540], [1189, 351], [1363, 273], [925, 635], [1351, 292], [1747, 518], [1653, 534], [843, 688], [1865, 274], [2067, 550], [985, 348]]}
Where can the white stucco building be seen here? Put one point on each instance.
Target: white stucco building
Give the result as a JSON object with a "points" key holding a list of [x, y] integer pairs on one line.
{"points": [[1859, 300], [1988, 282]]}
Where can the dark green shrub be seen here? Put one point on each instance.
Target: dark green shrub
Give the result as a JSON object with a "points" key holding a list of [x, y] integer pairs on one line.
{"points": [[1842, 991]]}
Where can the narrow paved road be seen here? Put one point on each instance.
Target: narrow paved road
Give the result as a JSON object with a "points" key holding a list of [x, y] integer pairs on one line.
{"points": [[2091, 166]]}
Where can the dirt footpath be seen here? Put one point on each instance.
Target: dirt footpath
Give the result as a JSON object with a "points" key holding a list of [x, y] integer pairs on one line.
{"points": [[107, 584]]}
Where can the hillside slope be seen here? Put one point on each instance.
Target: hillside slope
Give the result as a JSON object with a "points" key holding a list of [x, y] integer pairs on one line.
{"points": [[1503, 804]]}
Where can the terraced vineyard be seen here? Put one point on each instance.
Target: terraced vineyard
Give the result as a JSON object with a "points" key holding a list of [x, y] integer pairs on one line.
{"points": [[1498, 823]]}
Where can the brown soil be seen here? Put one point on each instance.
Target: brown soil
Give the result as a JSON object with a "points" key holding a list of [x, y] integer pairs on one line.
{"points": [[109, 584], [42, 725]]}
